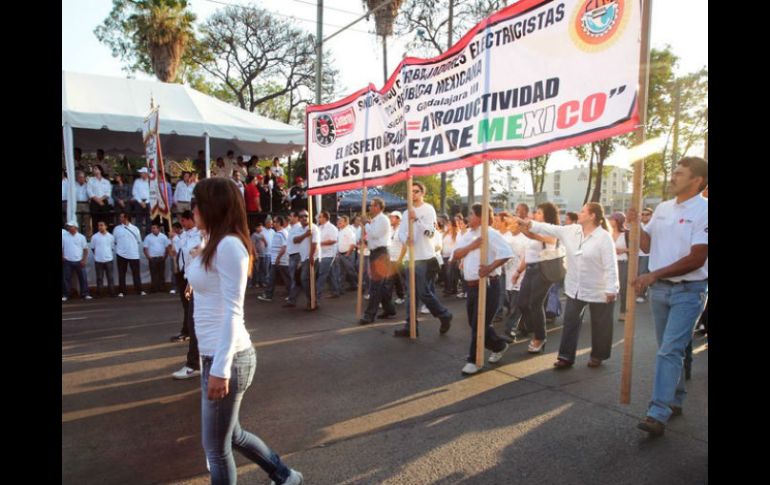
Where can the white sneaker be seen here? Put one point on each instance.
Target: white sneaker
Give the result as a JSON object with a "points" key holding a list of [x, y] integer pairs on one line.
{"points": [[366, 296], [470, 369], [295, 478], [173, 292], [142, 293], [185, 373], [64, 298], [120, 295], [88, 297], [264, 298], [461, 295], [424, 310], [639, 299], [399, 301], [496, 356]]}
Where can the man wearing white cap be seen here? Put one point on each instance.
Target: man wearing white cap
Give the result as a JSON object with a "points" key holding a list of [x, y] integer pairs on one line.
{"points": [[74, 254], [140, 198]]}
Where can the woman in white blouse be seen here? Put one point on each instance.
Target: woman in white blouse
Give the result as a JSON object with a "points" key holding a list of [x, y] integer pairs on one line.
{"points": [[218, 274], [591, 280], [619, 234]]}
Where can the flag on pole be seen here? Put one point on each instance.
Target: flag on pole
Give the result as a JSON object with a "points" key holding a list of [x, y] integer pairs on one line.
{"points": [[159, 205]]}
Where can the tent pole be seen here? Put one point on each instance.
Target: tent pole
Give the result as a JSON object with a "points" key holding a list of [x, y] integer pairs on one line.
{"points": [[208, 155], [69, 160]]}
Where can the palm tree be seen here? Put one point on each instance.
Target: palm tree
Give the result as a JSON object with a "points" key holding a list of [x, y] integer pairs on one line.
{"points": [[150, 35], [383, 19]]}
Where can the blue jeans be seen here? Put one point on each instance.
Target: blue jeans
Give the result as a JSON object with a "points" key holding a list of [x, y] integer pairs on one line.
{"points": [[345, 268], [304, 287], [423, 291], [69, 267], [260, 275], [326, 273], [275, 271], [222, 432], [644, 267], [675, 308], [513, 319], [294, 264]]}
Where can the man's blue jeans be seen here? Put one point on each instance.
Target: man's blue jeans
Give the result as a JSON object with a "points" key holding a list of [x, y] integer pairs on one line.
{"points": [[222, 431], [675, 308], [275, 271], [346, 270], [68, 268], [326, 273], [294, 263], [492, 341], [423, 292]]}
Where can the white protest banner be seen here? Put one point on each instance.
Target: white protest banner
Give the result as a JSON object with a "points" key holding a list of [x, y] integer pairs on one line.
{"points": [[535, 77], [158, 191]]}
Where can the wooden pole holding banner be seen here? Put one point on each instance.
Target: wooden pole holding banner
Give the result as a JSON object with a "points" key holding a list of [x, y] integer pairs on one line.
{"points": [[410, 241], [636, 203], [482, 309], [361, 251], [312, 259]]}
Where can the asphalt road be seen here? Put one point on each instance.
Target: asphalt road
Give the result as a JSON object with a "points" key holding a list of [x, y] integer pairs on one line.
{"points": [[346, 404]]}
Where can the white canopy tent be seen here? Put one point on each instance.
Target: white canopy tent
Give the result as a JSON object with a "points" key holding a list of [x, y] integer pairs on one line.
{"points": [[108, 112]]}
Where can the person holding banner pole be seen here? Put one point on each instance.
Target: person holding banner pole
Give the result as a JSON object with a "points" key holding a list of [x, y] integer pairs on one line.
{"points": [[362, 263], [378, 234], [422, 261], [468, 247]]}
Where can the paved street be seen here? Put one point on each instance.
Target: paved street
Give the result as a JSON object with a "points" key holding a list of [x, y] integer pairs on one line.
{"points": [[346, 404]]}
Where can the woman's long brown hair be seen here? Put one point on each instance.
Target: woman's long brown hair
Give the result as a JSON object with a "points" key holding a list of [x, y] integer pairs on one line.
{"points": [[223, 210]]}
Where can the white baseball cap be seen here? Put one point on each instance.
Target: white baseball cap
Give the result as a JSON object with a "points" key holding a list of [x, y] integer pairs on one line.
{"points": [[142, 170], [73, 223], [395, 214]]}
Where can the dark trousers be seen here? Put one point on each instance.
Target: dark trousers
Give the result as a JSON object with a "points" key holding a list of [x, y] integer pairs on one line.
{"points": [[101, 270], [534, 289], [181, 284], [380, 289], [601, 329], [451, 274], [193, 358], [491, 340], [69, 267], [123, 264], [623, 277], [141, 216], [100, 213], [512, 322], [157, 273]]}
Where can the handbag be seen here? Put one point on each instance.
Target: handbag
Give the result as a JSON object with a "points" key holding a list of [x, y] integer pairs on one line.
{"points": [[553, 264]]}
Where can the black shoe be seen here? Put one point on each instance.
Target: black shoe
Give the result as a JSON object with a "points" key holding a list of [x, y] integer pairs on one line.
{"points": [[403, 332], [365, 321], [386, 315], [652, 426], [676, 411], [687, 371], [180, 338], [445, 324]]}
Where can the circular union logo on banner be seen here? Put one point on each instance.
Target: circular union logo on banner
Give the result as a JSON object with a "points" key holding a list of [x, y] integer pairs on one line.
{"points": [[324, 130], [597, 24]]}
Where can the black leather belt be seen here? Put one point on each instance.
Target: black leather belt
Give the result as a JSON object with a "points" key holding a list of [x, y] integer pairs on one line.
{"points": [[672, 283]]}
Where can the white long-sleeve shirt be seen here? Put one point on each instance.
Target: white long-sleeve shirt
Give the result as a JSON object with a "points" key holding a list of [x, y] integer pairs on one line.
{"points": [[378, 232], [497, 248], [426, 220], [141, 190], [127, 241], [394, 245], [592, 269], [183, 192], [188, 240], [99, 188], [219, 294]]}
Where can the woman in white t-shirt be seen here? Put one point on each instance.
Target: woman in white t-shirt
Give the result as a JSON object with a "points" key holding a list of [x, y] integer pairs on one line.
{"points": [[619, 234], [534, 286], [450, 268], [218, 274]]}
